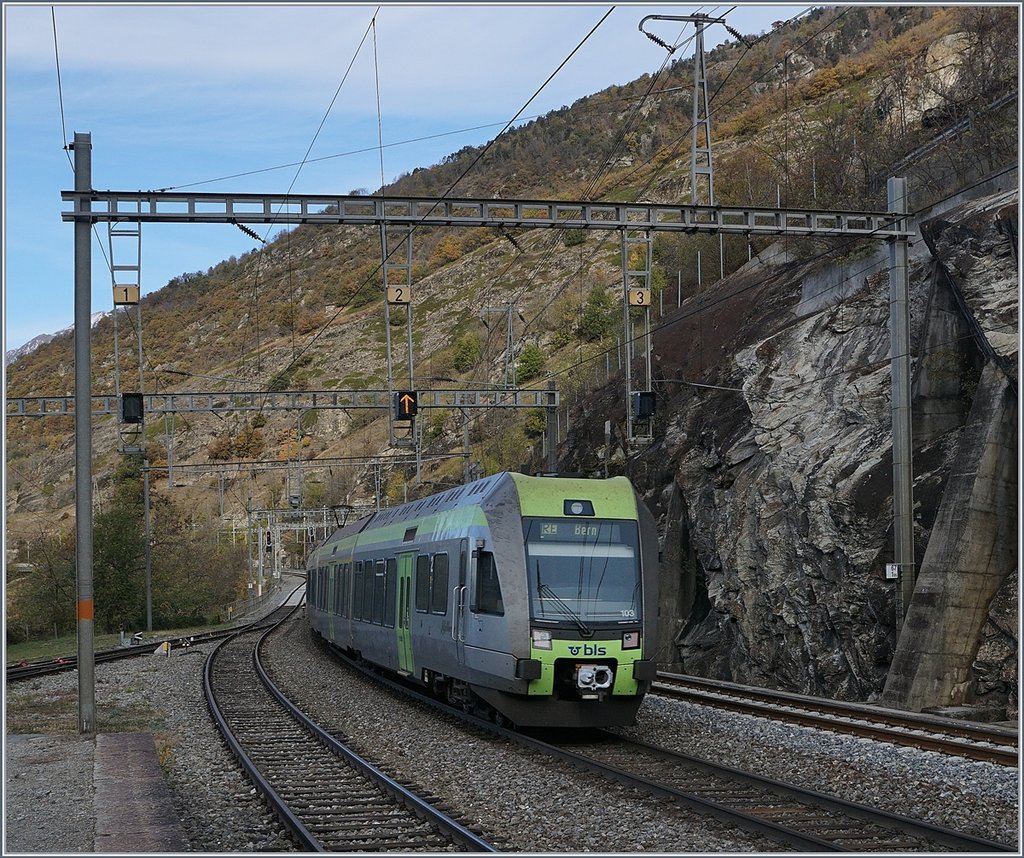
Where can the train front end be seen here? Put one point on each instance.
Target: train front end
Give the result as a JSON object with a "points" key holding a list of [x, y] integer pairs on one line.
{"points": [[588, 558]]}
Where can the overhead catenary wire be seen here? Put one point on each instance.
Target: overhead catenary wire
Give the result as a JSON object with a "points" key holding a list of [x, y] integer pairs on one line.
{"points": [[298, 170], [64, 131], [382, 167], [587, 193], [650, 181], [60, 89], [372, 276], [679, 318]]}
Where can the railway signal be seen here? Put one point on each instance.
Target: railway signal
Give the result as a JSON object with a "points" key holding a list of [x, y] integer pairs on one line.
{"points": [[405, 404], [644, 404], [131, 407]]}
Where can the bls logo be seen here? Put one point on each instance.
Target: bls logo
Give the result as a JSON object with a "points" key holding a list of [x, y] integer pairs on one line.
{"points": [[588, 649]]}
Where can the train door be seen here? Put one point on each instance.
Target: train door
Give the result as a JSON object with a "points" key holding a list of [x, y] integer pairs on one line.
{"points": [[404, 612], [459, 599]]}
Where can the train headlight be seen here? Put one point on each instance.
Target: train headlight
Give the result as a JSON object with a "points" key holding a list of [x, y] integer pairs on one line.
{"points": [[594, 677], [631, 640], [541, 638]]}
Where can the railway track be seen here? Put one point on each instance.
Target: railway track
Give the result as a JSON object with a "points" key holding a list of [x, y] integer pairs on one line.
{"points": [[987, 742], [797, 818], [31, 670], [802, 819], [329, 797]]}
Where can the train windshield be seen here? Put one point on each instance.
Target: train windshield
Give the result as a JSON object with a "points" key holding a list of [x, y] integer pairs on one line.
{"points": [[582, 572]]}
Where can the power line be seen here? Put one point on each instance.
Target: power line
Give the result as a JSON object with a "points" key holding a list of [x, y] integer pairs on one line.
{"points": [[657, 171], [736, 292], [63, 126], [372, 276], [60, 89], [260, 257], [587, 193]]}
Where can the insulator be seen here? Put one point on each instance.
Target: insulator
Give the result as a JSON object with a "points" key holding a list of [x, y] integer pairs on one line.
{"points": [[658, 41], [248, 231], [736, 34], [514, 243]]}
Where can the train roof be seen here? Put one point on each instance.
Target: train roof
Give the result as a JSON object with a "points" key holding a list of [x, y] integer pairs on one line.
{"points": [[538, 496]]}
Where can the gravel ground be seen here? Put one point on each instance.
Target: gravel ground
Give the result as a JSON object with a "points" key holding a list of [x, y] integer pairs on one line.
{"points": [[966, 795], [521, 800], [41, 775]]}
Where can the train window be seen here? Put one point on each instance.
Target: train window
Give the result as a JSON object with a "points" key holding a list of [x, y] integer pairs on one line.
{"points": [[378, 593], [487, 592], [389, 593], [346, 583], [422, 583], [368, 591], [582, 571], [439, 585], [357, 591]]}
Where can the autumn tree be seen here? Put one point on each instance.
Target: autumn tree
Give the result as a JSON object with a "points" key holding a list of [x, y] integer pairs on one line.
{"points": [[41, 601], [531, 362], [119, 551], [599, 315], [466, 352]]}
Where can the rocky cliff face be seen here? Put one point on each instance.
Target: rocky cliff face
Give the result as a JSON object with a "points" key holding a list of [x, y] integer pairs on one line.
{"points": [[774, 481]]}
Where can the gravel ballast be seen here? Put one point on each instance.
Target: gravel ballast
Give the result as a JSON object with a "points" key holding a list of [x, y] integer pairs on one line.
{"points": [[525, 802]]}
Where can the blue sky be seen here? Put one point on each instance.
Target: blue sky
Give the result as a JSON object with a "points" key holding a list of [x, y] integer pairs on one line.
{"points": [[175, 96]]}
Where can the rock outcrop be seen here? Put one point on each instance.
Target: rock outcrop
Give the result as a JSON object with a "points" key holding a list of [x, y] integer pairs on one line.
{"points": [[772, 468]]}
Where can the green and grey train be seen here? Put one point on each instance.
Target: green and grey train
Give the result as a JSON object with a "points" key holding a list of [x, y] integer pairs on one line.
{"points": [[531, 598]]}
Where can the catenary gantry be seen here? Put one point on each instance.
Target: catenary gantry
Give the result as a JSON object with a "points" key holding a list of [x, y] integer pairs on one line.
{"points": [[169, 207], [56, 406]]}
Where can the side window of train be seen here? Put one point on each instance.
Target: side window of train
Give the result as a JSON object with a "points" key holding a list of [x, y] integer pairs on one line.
{"points": [[378, 593], [439, 585], [368, 577], [422, 583], [390, 577], [346, 580], [487, 592], [357, 591]]}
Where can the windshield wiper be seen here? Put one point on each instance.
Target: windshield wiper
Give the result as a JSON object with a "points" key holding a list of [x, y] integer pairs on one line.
{"points": [[562, 606]]}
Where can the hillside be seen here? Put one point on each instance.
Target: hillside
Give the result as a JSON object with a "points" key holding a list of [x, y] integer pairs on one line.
{"points": [[818, 113]]}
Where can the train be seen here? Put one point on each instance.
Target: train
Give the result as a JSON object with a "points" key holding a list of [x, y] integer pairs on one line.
{"points": [[531, 600]]}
